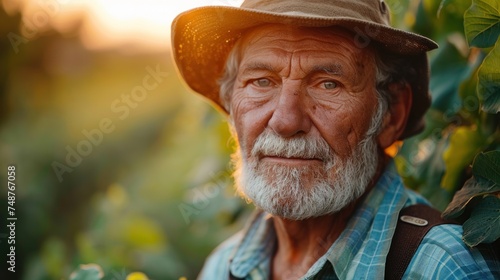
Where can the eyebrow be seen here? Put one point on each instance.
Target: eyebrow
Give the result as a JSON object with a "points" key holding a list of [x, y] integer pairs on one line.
{"points": [[331, 69], [258, 66]]}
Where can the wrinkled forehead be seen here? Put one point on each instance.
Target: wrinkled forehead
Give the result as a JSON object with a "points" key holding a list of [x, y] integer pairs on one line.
{"points": [[314, 37]]}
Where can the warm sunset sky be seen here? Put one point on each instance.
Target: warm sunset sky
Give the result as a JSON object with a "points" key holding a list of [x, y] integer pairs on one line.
{"points": [[108, 23]]}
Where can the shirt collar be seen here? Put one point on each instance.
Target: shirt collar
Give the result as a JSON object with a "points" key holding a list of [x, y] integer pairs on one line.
{"points": [[256, 247]]}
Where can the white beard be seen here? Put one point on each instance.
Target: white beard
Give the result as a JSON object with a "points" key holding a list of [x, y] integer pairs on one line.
{"points": [[298, 193]]}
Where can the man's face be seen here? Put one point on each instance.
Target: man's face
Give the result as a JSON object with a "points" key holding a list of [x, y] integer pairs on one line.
{"points": [[301, 105]]}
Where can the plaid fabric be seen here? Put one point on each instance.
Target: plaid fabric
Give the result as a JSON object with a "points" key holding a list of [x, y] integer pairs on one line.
{"points": [[360, 251]]}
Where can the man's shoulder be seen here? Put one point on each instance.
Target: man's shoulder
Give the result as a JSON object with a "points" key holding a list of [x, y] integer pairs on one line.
{"points": [[442, 254], [242, 249], [217, 264]]}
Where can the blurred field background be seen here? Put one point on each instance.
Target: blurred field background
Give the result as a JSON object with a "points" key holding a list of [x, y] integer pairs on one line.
{"points": [[154, 193]]}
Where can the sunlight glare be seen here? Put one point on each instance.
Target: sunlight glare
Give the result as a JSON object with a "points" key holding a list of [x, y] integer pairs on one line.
{"points": [[141, 24], [136, 22]]}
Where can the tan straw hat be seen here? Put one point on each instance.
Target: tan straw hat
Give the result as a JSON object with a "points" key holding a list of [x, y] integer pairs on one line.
{"points": [[202, 38]]}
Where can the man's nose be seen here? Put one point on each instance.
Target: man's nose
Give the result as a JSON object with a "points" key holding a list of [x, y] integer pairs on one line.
{"points": [[290, 116]]}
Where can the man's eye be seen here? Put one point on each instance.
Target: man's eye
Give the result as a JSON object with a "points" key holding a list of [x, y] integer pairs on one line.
{"points": [[330, 85], [262, 82]]}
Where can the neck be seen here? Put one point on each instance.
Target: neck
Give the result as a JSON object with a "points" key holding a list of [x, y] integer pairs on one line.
{"points": [[301, 243]]}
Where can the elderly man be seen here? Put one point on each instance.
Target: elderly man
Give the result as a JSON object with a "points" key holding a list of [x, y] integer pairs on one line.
{"points": [[314, 92]]}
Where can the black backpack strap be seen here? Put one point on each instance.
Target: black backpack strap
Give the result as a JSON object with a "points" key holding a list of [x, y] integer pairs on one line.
{"points": [[413, 224]]}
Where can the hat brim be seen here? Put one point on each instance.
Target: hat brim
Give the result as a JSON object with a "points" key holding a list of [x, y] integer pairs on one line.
{"points": [[203, 37]]}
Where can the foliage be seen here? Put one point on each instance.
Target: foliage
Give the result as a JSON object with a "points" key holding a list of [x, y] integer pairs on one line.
{"points": [[482, 23], [463, 121], [94, 272], [480, 199], [119, 206], [484, 223], [482, 29]]}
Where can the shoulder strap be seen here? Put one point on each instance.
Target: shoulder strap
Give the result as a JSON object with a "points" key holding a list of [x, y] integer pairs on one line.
{"points": [[413, 224]]}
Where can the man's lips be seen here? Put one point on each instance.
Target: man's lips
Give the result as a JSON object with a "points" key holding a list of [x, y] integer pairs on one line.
{"points": [[289, 160]]}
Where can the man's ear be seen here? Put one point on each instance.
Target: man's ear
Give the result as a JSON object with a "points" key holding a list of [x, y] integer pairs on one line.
{"points": [[395, 119]]}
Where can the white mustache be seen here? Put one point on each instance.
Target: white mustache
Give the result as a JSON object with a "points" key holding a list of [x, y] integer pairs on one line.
{"points": [[308, 147]]}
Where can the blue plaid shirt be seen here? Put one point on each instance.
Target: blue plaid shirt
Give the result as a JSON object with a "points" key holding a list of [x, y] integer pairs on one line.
{"points": [[360, 251]]}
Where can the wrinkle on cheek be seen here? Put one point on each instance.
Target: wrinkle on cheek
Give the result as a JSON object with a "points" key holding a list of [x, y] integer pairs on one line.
{"points": [[239, 124], [348, 136], [249, 120], [361, 118], [236, 104], [349, 130], [326, 105], [353, 138]]}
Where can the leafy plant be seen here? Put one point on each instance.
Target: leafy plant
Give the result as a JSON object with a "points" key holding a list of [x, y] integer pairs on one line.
{"points": [[482, 30], [480, 199], [463, 122]]}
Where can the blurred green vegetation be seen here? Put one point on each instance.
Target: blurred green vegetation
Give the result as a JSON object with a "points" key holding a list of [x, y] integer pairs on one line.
{"points": [[462, 136], [154, 194], [437, 162]]}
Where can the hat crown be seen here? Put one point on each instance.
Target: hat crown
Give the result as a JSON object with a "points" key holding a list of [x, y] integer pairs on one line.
{"points": [[375, 11]]}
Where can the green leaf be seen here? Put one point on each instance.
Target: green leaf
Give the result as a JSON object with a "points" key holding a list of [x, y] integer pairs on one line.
{"points": [[465, 143], [487, 165], [449, 67], [474, 187], [483, 226], [488, 88], [482, 23], [87, 272]]}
